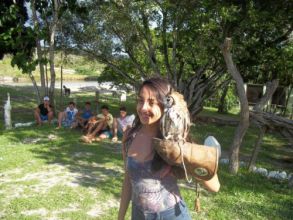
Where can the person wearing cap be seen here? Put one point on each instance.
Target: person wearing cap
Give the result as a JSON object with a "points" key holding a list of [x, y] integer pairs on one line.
{"points": [[122, 123], [67, 117], [44, 112]]}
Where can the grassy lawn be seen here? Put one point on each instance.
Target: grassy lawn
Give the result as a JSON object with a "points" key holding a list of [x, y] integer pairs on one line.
{"points": [[59, 178], [48, 174]]}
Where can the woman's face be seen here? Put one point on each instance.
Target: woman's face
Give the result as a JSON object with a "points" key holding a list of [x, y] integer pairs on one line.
{"points": [[148, 108]]}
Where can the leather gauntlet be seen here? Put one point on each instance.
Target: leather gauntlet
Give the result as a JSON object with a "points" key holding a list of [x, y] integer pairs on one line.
{"points": [[200, 161]]}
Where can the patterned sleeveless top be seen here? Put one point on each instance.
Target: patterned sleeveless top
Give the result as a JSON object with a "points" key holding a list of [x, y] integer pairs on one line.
{"points": [[152, 191]]}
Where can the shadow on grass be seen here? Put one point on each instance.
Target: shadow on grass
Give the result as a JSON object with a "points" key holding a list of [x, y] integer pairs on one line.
{"points": [[94, 165]]}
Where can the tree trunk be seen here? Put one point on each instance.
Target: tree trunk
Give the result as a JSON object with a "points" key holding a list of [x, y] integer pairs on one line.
{"points": [[196, 90], [244, 109], [47, 79], [287, 99], [52, 70], [41, 65], [271, 88], [257, 148], [274, 122], [38, 44], [53, 27], [221, 106], [61, 83], [36, 89]]}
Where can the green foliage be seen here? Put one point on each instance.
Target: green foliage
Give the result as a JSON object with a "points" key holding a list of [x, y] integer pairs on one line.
{"points": [[6, 68], [266, 42], [85, 71], [231, 99], [15, 37], [181, 41], [109, 75], [23, 62]]}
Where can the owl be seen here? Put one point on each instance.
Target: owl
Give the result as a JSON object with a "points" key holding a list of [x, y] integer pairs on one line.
{"points": [[175, 122]]}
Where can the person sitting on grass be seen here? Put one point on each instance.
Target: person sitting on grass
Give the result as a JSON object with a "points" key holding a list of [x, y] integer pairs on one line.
{"points": [[122, 123], [100, 125], [44, 112], [67, 117], [83, 116]]}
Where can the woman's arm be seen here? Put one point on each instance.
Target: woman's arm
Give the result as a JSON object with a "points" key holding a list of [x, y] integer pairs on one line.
{"points": [[126, 187], [213, 184], [125, 197]]}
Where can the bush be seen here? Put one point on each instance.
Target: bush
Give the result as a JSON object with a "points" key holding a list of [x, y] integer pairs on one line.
{"points": [[85, 71], [231, 99]]}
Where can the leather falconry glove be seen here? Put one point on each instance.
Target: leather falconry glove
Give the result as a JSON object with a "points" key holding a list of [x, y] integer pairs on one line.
{"points": [[200, 161]]}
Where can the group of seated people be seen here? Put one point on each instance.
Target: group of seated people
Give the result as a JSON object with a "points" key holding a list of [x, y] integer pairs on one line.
{"points": [[95, 127]]}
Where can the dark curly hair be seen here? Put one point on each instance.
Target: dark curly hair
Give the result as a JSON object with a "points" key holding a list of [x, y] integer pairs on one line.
{"points": [[160, 87]]}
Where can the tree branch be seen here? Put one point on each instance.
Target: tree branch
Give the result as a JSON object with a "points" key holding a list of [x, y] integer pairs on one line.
{"points": [[174, 47], [270, 89], [165, 47], [128, 50], [148, 37], [281, 38], [110, 64], [180, 73]]}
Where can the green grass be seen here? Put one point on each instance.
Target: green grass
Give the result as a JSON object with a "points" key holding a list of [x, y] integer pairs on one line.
{"points": [[210, 111], [66, 179], [23, 101], [92, 169], [273, 154]]}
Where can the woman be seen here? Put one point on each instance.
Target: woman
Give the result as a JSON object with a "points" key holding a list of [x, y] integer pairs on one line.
{"points": [[149, 181]]}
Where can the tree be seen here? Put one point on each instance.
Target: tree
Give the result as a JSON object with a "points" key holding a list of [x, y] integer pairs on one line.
{"points": [[17, 38], [180, 40], [46, 16], [40, 53], [271, 88], [141, 39], [244, 109], [13, 16], [20, 39], [45, 24]]}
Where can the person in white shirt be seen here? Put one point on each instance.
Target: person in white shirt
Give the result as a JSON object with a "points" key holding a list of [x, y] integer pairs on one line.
{"points": [[67, 117], [122, 123]]}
